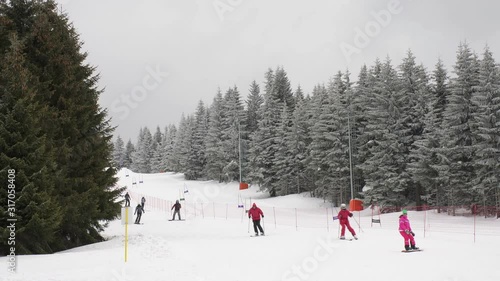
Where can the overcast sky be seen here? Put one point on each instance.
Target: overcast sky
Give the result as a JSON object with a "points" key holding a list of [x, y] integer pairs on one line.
{"points": [[158, 58]]}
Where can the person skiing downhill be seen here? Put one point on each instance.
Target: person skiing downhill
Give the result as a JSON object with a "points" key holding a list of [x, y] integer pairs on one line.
{"points": [[138, 210], [143, 202], [177, 209], [406, 232], [343, 217], [255, 213], [127, 200]]}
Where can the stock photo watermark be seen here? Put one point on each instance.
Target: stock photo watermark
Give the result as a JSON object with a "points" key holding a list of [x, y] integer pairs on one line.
{"points": [[363, 36], [321, 252], [223, 7], [129, 101], [11, 220]]}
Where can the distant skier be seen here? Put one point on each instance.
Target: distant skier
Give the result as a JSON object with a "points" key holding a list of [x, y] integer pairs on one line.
{"points": [[177, 209], [127, 200], [138, 210], [255, 213], [343, 216], [406, 232], [143, 201]]}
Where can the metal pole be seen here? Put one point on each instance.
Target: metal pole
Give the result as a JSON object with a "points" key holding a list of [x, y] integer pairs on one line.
{"points": [[239, 147], [126, 233], [274, 212], [350, 153]]}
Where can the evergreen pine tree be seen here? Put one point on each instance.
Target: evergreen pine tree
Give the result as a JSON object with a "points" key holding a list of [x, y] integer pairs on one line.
{"points": [[156, 151], [129, 150], [118, 152], [76, 128], [486, 121], [196, 159], [265, 144], [143, 152], [214, 151], [25, 154], [425, 168], [458, 131], [169, 147], [254, 102], [412, 102], [384, 170]]}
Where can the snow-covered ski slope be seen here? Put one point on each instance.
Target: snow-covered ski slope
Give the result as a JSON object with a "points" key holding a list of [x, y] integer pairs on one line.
{"points": [[301, 242]]}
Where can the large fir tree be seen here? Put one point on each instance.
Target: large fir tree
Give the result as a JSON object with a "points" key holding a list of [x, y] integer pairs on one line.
{"points": [[77, 129]]}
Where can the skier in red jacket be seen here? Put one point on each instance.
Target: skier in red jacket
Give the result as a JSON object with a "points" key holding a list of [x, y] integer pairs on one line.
{"points": [[255, 213], [343, 216]]}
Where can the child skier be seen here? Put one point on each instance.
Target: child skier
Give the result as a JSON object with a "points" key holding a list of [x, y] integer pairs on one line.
{"points": [[255, 213], [343, 217], [406, 232]]}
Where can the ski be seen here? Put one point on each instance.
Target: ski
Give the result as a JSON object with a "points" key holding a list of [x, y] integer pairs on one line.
{"points": [[410, 251], [257, 235], [347, 239], [176, 220]]}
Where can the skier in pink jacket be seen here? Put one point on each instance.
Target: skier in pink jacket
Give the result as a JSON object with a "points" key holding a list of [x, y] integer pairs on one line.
{"points": [[343, 217], [406, 232]]}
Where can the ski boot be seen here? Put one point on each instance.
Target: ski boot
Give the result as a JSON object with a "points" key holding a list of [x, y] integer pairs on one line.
{"points": [[407, 248], [413, 247], [342, 237]]}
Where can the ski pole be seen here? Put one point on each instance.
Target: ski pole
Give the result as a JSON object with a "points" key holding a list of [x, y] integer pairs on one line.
{"points": [[358, 224], [264, 224], [248, 230]]}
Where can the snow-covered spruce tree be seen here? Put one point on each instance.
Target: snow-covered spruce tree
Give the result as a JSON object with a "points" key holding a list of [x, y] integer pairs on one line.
{"points": [[298, 142], [156, 150], [143, 152], [284, 155], [213, 140], [254, 103], [264, 139], [170, 136], [339, 90], [384, 171], [486, 121], [359, 138], [182, 144], [129, 150], [458, 131], [118, 152], [234, 123], [24, 153], [322, 142], [255, 173], [427, 163], [412, 97], [282, 91], [135, 162], [158, 160], [196, 159]]}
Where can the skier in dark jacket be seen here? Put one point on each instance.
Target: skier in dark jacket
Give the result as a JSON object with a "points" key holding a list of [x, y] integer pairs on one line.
{"points": [[138, 210], [127, 200], [143, 201], [177, 209], [255, 213]]}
